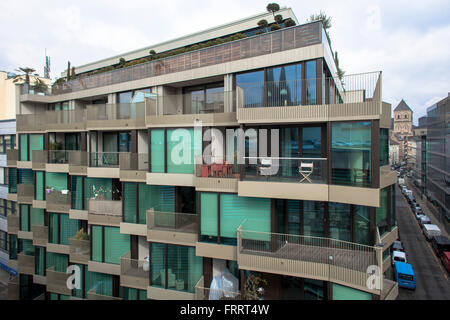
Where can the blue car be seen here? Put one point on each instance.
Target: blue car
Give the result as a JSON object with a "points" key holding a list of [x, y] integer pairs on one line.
{"points": [[404, 275]]}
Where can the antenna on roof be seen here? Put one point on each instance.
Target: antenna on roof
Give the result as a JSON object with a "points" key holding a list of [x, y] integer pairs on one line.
{"points": [[47, 66]]}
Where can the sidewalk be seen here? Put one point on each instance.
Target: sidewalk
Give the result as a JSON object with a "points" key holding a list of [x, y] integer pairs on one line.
{"points": [[428, 208]]}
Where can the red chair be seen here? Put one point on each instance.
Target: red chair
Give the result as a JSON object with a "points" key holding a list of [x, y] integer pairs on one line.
{"points": [[206, 171]]}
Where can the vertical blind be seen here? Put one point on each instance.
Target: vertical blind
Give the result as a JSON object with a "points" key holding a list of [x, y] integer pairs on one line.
{"points": [[24, 217], [116, 244], [77, 192], [129, 202], [180, 150], [59, 261], [69, 228], [209, 209], [36, 217], [36, 143], [56, 180], [39, 185], [97, 243]]}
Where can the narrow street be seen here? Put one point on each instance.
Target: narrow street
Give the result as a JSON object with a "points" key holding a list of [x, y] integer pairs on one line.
{"points": [[432, 281]]}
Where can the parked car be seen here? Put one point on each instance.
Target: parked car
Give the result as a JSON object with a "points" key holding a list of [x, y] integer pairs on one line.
{"points": [[431, 230], [404, 275], [445, 258], [401, 181], [397, 246], [440, 245], [398, 256], [423, 220]]}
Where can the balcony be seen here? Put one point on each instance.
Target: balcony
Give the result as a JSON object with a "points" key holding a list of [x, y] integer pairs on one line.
{"points": [[14, 289], [30, 122], [57, 282], [317, 258], [115, 116], [59, 201], [134, 273], [216, 177], [98, 293], [25, 264], [267, 43], [354, 97], [202, 293], [285, 178], [25, 193], [12, 156], [13, 223], [40, 235], [133, 167], [39, 159], [105, 212], [170, 227], [80, 251], [182, 110], [104, 165]]}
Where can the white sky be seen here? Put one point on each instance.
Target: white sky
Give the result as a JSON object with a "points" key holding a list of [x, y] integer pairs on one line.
{"points": [[408, 40]]}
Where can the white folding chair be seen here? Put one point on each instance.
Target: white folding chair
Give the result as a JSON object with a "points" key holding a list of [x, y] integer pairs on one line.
{"points": [[306, 169], [265, 168]]}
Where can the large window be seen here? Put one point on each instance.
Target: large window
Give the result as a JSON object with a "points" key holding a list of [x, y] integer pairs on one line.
{"points": [[28, 143], [180, 145], [161, 198], [384, 147], [108, 244], [203, 99], [313, 218], [234, 211], [362, 224], [382, 212], [7, 142], [340, 221], [351, 152], [62, 228], [175, 267]]}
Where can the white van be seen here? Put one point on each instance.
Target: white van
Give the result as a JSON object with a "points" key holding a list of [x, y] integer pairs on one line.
{"points": [[398, 256], [431, 230]]}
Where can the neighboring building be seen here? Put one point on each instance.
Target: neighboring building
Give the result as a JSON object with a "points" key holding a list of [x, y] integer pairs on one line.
{"points": [[394, 152], [101, 154], [420, 159], [403, 119], [9, 102], [438, 157]]}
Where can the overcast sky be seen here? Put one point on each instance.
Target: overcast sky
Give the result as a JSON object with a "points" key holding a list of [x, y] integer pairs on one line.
{"points": [[408, 40]]}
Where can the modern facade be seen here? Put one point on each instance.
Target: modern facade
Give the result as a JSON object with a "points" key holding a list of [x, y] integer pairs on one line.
{"points": [[246, 158], [437, 162], [419, 169]]}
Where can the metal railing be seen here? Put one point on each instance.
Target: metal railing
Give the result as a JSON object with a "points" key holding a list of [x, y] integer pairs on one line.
{"points": [[133, 161], [337, 260], [80, 250], [104, 159], [172, 221], [295, 170], [353, 88], [134, 272], [116, 111], [271, 42]]}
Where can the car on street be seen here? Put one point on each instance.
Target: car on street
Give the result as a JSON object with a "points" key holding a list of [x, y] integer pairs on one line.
{"points": [[423, 220], [445, 258], [398, 256], [431, 230], [398, 246], [404, 275], [440, 245]]}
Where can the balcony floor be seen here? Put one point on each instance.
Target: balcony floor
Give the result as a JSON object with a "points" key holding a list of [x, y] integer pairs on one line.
{"points": [[351, 259]]}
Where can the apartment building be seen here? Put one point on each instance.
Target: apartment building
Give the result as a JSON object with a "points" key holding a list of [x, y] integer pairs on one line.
{"points": [[419, 169], [9, 100], [437, 153], [284, 180]]}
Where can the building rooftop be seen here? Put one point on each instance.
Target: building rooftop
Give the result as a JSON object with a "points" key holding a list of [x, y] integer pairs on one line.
{"points": [[197, 37], [402, 106]]}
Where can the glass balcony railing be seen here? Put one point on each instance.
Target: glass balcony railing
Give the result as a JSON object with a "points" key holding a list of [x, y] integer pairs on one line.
{"points": [[217, 170], [291, 170], [25, 193], [104, 159], [202, 293], [80, 250], [267, 43], [172, 221], [116, 111], [12, 155], [133, 161], [105, 211], [134, 273], [40, 235], [58, 200]]}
